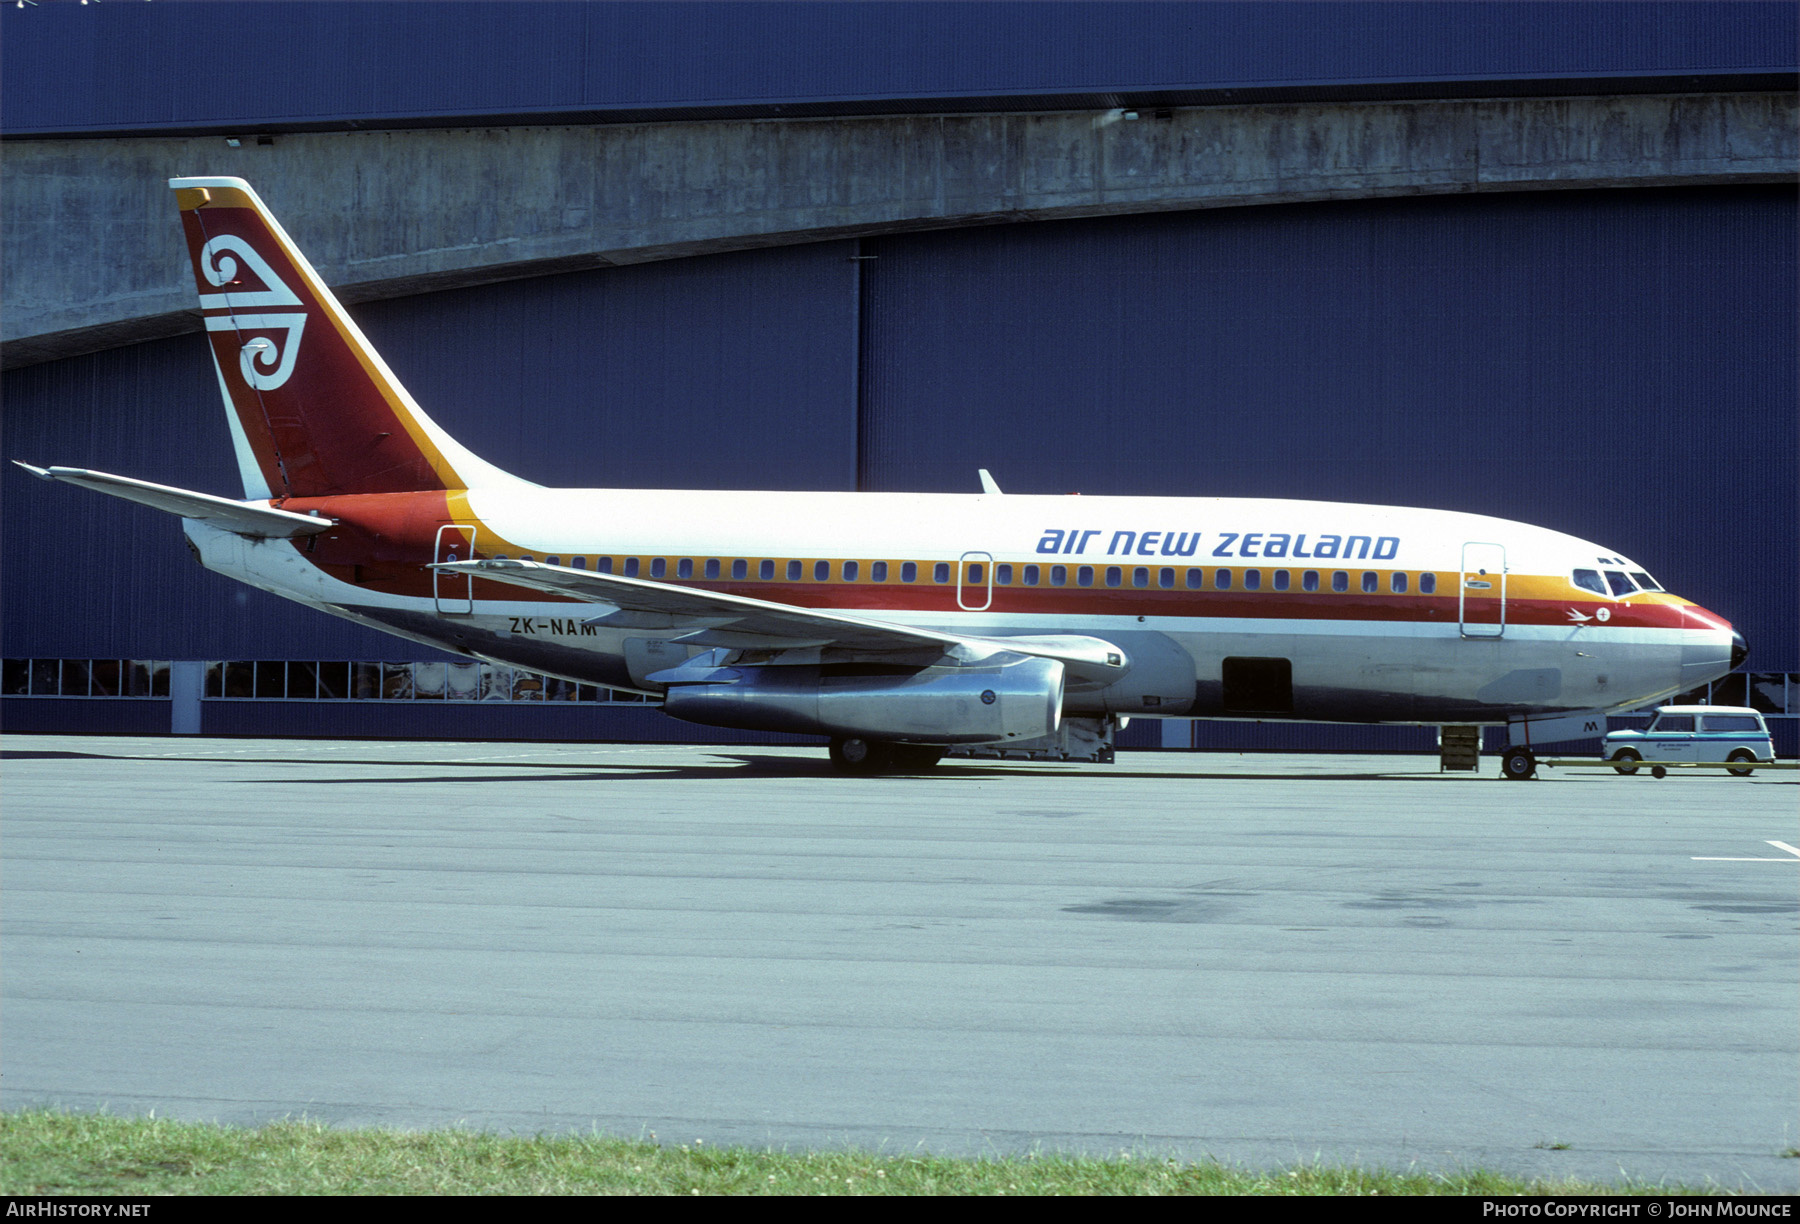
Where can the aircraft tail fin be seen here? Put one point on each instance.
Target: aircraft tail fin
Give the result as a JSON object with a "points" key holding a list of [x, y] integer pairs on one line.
{"points": [[313, 409]]}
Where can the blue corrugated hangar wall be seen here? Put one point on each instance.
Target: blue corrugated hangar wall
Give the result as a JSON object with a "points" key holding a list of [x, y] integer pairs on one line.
{"points": [[1615, 364]]}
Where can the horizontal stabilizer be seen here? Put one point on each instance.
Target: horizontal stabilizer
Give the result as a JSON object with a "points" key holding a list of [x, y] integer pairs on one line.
{"points": [[248, 519]]}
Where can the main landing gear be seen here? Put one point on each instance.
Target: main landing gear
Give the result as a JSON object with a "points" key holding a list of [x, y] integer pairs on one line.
{"points": [[854, 755]]}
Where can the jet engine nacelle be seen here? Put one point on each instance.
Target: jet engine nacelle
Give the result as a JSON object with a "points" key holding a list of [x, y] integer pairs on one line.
{"points": [[987, 703]]}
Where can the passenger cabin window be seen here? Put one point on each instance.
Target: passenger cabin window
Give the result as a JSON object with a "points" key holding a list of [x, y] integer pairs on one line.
{"points": [[851, 569], [741, 568], [977, 574], [1059, 575], [909, 571], [1252, 580], [1222, 580], [712, 568], [765, 570], [1084, 576], [1279, 580], [1140, 577], [940, 572], [1165, 578], [1003, 574], [603, 564], [684, 568], [821, 571], [578, 562], [552, 561], [1113, 576], [659, 566], [793, 571], [1196, 579], [1369, 582], [1427, 584], [1340, 581], [878, 571], [1397, 583], [1309, 581], [631, 567], [1031, 575]]}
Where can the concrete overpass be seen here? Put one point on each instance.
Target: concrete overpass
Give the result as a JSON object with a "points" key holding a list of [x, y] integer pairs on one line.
{"points": [[93, 259]]}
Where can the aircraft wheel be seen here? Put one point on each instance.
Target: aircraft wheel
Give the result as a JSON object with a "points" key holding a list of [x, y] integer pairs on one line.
{"points": [[914, 758], [1518, 765], [854, 755], [1657, 771], [1741, 754], [1625, 761]]}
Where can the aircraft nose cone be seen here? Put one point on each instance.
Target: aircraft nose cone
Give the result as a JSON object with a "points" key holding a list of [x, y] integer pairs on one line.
{"points": [[1739, 650]]}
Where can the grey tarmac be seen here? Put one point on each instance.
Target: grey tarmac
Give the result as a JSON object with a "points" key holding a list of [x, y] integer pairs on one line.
{"points": [[1266, 959]]}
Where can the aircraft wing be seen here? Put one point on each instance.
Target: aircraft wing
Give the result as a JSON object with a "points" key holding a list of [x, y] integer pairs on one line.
{"points": [[246, 518], [714, 618]]}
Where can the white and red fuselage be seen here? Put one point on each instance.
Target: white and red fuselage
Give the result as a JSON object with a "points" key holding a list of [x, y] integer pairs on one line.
{"points": [[970, 618]]}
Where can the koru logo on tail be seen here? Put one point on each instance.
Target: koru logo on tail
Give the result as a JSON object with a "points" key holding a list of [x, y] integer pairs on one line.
{"points": [[266, 363]]}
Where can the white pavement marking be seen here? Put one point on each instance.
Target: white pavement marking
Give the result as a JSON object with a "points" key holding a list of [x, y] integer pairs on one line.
{"points": [[1779, 845]]}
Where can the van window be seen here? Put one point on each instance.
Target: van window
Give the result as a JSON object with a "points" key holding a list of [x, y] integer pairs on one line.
{"points": [[1730, 722], [1674, 722]]}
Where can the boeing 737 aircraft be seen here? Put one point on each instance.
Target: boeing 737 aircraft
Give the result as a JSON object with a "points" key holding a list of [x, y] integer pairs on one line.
{"points": [[896, 624]]}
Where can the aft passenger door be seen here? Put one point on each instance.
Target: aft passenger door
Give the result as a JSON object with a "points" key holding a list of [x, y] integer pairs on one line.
{"points": [[1481, 593], [975, 582], [454, 593]]}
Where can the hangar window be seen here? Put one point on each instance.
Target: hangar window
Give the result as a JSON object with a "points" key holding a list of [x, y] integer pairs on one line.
{"points": [[659, 566], [1196, 579], [878, 571], [765, 570], [1279, 580], [1114, 576], [1397, 583], [1309, 581], [712, 568], [741, 568], [1084, 576], [1003, 575], [851, 569], [1221, 580], [1059, 575], [1140, 577], [821, 571], [793, 571], [909, 571], [1370, 582], [603, 565], [1031, 575], [631, 567], [1252, 579], [1340, 581], [1427, 583], [684, 568], [1165, 578]]}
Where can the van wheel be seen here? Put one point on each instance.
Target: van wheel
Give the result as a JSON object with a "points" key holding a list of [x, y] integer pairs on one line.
{"points": [[1518, 764], [1741, 754], [854, 755], [1629, 757], [1657, 771]]}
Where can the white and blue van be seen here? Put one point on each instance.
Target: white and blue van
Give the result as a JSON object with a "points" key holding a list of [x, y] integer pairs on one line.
{"points": [[1686, 733]]}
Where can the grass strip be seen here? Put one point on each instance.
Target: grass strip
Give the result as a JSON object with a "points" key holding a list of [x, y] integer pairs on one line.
{"points": [[46, 1152]]}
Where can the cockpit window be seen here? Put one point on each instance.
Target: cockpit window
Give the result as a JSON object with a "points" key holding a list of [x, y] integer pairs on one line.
{"points": [[1589, 580], [1645, 580], [1621, 585]]}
